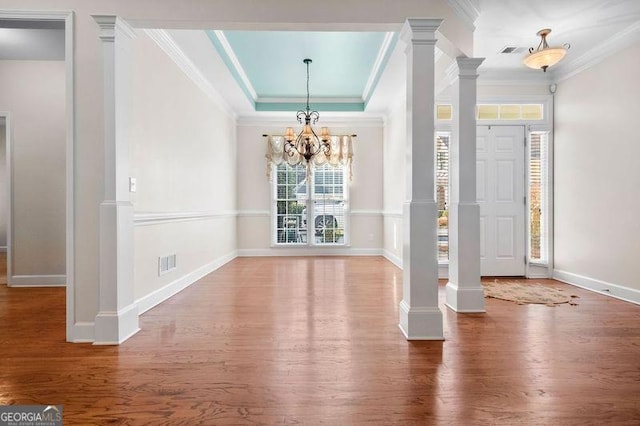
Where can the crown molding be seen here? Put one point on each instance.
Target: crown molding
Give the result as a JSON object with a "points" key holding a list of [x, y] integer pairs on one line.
{"points": [[598, 53], [327, 120], [170, 47], [110, 25], [467, 10], [235, 62], [379, 65], [303, 100], [420, 31]]}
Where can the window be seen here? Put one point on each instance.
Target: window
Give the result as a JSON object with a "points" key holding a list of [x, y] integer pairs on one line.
{"points": [[528, 112], [538, 192], [444, 112], [310, 214], [442, 193]]}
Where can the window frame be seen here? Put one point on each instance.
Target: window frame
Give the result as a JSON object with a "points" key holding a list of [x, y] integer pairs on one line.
{"points": [[310, 211]]}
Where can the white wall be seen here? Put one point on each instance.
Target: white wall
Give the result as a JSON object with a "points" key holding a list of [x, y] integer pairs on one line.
{"points": [[34, 93], [395, 160], [486, 90], [254, 191], [89, 97], [597, 178], [182, 153], [4, 196]]}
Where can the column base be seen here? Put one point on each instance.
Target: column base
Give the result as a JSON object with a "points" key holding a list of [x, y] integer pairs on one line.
{"points": [[420, 323], [465, 300], [113, 328]]}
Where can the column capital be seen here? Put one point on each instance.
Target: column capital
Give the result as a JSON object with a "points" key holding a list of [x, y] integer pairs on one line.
{"points": [[420, 30], [110, 25], [468, 67]]}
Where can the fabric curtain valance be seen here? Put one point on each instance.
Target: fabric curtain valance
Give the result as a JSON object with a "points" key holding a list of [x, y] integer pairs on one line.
{"points": [[341, 154]]}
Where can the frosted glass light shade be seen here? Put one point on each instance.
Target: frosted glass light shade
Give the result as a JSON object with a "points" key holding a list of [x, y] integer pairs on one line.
{"points": [[542, 59]]}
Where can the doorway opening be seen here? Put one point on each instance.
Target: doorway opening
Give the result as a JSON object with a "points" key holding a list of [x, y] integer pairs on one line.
{"points": [[39, 116]]}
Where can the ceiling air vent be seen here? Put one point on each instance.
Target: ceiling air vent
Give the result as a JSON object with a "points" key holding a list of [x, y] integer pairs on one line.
{"points": [[511, 49]]}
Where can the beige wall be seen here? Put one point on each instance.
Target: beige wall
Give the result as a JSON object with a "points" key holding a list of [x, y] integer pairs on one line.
{"points": [[182, 155], [34, 93], [254, 202], [597, 178]]}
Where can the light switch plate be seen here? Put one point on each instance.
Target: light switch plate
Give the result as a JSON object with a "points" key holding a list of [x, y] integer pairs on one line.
{"points": [[132, 184]]}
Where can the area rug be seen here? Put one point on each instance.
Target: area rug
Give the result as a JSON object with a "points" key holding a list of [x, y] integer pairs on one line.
{"points": [[523, 293]]}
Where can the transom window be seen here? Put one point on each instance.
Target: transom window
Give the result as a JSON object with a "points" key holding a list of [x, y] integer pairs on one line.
{"points": [[525, 112], [310, 205]]}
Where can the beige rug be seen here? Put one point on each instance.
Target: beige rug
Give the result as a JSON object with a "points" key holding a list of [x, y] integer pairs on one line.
{"points": [[523, 293]]}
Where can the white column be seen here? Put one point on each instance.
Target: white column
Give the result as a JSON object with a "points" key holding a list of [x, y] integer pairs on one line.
{"points": [[464, 290], [117, 318], [420, 317]]}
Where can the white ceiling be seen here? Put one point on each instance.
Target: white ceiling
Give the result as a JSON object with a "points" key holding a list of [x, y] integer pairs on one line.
{"points": [[584, 24]]}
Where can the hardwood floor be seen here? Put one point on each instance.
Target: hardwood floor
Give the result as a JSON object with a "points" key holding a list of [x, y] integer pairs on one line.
{"points": [[316, 341]]}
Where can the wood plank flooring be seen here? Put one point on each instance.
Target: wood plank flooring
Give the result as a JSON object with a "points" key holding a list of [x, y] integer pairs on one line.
{"points": [[316, 341]]}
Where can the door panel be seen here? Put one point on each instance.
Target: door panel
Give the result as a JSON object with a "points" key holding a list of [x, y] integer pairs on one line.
{"points": [[500, 195]]}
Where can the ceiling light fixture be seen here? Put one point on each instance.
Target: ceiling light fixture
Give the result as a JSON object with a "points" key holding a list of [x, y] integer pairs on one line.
{"points": [[544, 56], [307, 143]]}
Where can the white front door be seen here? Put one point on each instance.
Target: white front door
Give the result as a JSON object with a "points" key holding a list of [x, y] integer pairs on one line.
{"points": [[500, 194]]}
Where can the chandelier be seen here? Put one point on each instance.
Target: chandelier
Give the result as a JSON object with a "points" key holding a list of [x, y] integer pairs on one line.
{"points": [[544, 56], [307, 143]]}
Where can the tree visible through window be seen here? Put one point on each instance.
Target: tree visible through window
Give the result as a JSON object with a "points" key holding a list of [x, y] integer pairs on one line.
{"points": [[310, 214]]}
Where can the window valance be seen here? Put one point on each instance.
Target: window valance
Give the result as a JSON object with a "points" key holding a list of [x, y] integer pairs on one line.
{"points": [[341, 153]]}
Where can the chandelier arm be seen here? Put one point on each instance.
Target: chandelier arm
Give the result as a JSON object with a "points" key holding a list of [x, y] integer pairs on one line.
{"points": [[315, 116], [307, 143]]}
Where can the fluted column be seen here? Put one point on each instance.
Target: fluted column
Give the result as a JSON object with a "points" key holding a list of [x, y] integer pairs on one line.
{"points": [[420, 317], [117, 318], [464, 290]]}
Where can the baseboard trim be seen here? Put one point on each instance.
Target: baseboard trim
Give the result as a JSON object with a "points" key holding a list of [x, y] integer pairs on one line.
{"points": [[309, 251], [114, 327], [160, 295], [392, 258], [82, 332], [38, 281], [443, 268], [601, 287], [3, 249]]}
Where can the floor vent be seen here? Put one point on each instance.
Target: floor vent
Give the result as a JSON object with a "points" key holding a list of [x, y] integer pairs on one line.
{"points": [[166, 264]]}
